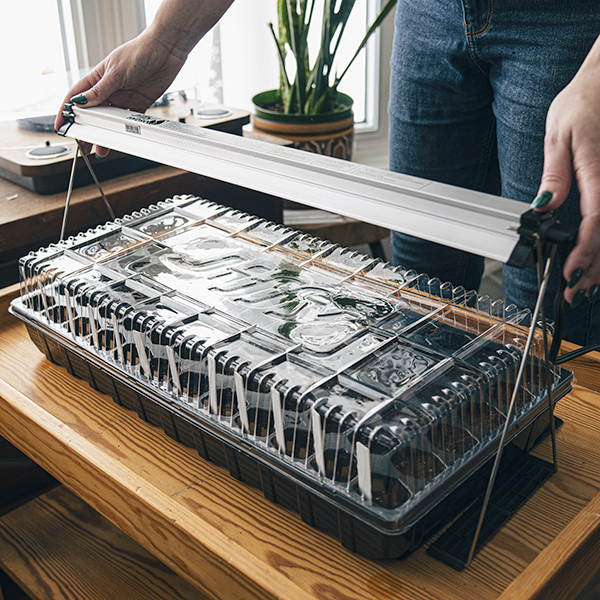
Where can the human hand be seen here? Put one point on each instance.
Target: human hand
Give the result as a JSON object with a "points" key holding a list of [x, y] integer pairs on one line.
{"points": [[572, 147], [133, 76]]}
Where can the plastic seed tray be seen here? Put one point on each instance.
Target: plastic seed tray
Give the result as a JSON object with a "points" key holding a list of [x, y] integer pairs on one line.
{"points": [[362, 396]]}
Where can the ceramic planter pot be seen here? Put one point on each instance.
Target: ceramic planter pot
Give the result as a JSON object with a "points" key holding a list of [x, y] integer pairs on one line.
{"points": [[331, 134]]}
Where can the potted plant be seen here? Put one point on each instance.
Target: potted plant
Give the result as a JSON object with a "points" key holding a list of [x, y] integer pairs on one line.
{"points": [[308, 108]]}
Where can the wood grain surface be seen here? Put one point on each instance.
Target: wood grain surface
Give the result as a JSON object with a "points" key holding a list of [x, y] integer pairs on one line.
{"points": [[230, 542], [56, 546], [6, 296], [586, 368]]}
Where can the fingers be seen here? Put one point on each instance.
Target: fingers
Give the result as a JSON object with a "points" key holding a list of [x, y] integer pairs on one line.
{"points": [[585, 256], [89, 91], [80, 88], [94, 96], [101, 152], [572, 149], [582, 267]]}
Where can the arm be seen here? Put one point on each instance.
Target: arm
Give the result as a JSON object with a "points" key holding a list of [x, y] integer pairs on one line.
{"points": [[135, 74], [572, 147]]}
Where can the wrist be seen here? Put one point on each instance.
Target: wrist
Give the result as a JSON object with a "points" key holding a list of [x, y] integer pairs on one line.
{"points": [[180, 24]]}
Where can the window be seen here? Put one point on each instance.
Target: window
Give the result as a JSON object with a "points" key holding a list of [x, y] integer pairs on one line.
{"points": [[32, 70], [53, 43]]}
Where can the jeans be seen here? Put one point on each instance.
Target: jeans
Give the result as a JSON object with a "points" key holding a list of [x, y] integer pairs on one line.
{"points": [[471, 84]]}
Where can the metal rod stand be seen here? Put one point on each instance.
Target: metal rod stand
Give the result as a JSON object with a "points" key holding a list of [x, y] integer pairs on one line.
{"points": [[548, 376], [91, 170], [511, 407], [69, 194]]}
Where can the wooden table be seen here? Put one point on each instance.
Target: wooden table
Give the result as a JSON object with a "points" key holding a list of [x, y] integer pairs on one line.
{"points": [[228, 541]]}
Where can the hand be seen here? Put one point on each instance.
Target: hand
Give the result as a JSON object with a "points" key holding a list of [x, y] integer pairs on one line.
{"points": [[133, 76], [572, 147]]}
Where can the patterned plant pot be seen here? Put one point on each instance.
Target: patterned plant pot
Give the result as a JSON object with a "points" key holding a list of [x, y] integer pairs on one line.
{"points": [[331, 134]]}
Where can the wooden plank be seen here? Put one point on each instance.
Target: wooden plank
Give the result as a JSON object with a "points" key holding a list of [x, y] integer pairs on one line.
{"points": [[56, 546], [586, 367], [246, 546], [137, 507], [564, 567], [575, 552], [6, 296]]}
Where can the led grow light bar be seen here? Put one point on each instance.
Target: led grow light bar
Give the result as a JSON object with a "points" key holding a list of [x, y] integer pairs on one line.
{"points": [[472, 221]]}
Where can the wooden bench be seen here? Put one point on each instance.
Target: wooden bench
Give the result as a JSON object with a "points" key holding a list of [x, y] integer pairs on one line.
{"points": [[56, 546]]}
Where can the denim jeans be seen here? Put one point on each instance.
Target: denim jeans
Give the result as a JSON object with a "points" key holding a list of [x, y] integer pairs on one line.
{"points": [[471, 84]]}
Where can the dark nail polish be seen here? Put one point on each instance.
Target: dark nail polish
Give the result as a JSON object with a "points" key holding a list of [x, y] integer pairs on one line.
{"points": [[80, 99], [594, 291], [98, 157], [542, 199], [577, 298], [575, 277]]}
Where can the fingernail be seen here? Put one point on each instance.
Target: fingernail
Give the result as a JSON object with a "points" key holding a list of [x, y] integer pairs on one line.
{"points": [[98, 157], [80, 99], [542, 199], [594, 291], [575, 277], [577, 298]]}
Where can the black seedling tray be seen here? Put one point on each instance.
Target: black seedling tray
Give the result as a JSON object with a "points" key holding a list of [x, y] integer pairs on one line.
{"points": [[314, 506]]}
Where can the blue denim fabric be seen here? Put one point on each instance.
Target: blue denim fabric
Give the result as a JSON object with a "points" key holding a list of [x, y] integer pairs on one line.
{"points": [[471, 84]]}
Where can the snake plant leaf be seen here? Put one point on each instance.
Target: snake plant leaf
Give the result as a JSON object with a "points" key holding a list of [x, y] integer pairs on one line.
{"points": [[293, 34], [313, 90], [284, 82], [335, 18], [376, 23]]}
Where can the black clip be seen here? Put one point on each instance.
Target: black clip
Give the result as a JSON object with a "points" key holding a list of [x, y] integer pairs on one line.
{"points": [[69, 116], [548, 229]]}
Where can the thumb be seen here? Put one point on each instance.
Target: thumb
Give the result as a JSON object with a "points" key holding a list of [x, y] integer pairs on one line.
{"points": [[557, 174]]}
